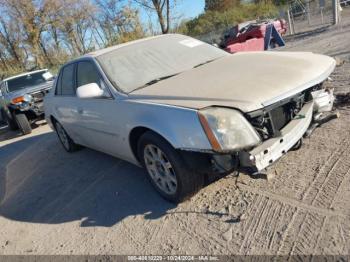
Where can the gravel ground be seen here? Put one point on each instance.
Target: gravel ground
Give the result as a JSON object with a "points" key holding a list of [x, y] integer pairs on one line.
{"points": [[53, 202]]}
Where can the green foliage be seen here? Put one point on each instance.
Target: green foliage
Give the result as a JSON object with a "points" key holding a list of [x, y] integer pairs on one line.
{"points": [[280, 2], [214, 20], [220, 5]]}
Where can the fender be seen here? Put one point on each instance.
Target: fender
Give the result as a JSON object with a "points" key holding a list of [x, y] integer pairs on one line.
{"points": [[179, 126]]}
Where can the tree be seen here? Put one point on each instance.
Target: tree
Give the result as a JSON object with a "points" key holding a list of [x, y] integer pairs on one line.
{"points": [[10, 40], [30, 17], [114, 21], [46, 33], [162, 8]]}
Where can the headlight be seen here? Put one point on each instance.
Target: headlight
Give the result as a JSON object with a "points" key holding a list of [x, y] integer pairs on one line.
{"points": [[25, 98], [227, 129]]}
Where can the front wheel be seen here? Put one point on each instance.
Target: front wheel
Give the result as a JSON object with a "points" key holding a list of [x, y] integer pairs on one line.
{"points": [[23, 123], [166, 169]]}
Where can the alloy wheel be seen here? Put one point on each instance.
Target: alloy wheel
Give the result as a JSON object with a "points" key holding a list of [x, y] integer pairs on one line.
{"points": [[62, 135], [160, 169]]}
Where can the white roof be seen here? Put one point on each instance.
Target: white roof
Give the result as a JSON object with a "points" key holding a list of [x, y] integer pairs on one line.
{"points": [[24, 74]]}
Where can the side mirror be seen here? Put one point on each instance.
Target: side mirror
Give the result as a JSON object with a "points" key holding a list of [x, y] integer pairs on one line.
{"points": [[48, 76], [91, 90]]}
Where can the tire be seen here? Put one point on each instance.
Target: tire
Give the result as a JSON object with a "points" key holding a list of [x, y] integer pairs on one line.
{"points": [[10, 121], [66, 141], [168, 172], [23, 123]]}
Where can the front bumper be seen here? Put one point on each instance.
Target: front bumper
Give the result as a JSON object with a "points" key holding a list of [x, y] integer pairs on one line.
{"points": [[37, 107], [271, 150]]}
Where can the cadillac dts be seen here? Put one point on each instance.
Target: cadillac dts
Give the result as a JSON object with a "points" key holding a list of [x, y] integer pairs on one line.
{"points": [[186, 110]]}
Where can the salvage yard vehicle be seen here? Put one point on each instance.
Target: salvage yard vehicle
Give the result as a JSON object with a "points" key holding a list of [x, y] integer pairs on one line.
{"points": [[187, 111], [21, 98], [255, 36]]}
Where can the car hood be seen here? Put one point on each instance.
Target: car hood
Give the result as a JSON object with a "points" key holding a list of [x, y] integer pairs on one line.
{"points": [[247, 81], [31, 89]]}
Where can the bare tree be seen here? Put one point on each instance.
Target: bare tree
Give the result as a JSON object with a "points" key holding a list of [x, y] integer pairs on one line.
{"points": [[10, 40], [162, 8], [116, 20], [45, 33]]}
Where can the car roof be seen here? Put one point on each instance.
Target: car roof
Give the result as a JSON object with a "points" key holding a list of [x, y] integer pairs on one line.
{"points": [[24, 74], [112, 48]]}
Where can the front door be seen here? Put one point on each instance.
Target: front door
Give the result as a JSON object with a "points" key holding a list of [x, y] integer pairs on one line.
{"points": [[97, 118]]}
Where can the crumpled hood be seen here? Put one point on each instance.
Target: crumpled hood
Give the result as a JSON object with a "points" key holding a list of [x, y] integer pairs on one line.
{"points": [[247, 81]]}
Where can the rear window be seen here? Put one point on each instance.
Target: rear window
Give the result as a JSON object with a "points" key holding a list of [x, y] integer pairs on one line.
{"points": [[22, 82]]}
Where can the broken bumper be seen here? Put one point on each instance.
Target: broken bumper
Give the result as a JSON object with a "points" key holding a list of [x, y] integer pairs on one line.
{"points": [[272, 149]]}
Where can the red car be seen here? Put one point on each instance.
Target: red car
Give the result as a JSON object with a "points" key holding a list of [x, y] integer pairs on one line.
{"points": [[252, 36]]}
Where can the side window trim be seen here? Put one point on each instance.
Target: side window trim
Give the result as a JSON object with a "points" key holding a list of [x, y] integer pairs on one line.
{"points": [[58, 86]]}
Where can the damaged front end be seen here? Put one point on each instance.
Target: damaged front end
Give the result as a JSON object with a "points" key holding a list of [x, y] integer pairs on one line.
{"points": [[282, 126], [259, 138], [29, 104]]}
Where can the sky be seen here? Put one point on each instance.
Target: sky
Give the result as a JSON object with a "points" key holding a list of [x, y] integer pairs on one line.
{"points": [[185, 9], [191, 8]]}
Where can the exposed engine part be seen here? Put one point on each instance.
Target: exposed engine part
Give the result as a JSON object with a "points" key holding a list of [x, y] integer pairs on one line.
{"points": [[271, 120]]}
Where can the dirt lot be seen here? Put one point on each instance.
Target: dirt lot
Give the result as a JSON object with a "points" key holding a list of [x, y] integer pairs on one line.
{"points": [[53, 202]]}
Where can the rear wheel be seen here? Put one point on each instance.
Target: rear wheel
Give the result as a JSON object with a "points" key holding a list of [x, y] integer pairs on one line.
{"points": [[65, 139], [23, 123], [166, 169]]}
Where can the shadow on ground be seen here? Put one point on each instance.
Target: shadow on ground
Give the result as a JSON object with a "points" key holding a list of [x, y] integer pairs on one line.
{"points": [[7, 134], [342, 100], [41, 183]]}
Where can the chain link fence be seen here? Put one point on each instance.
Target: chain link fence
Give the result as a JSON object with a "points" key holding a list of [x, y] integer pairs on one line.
{"points": [[301, 16], [310, 15]]}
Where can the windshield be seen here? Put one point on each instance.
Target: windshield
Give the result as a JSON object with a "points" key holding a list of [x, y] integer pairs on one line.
{"points": [[134, 66], [22, 82]]}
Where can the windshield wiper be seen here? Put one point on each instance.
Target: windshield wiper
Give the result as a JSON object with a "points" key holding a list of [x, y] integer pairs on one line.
{"points": [[152, 82], [206, 62]]}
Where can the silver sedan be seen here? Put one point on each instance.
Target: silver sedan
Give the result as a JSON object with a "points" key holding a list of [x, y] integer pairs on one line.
{"points": [[188, 111]]}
